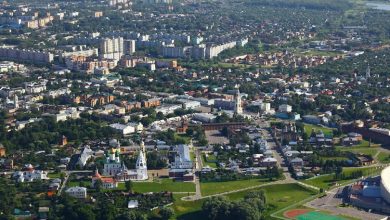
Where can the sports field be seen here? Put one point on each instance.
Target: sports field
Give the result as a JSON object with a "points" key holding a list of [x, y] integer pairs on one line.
{"points": [[304, 214]]}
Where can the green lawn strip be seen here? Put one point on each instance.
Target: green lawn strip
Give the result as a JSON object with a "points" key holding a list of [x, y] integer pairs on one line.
{"points": [[159, 186], [335, 158], [54, 175], [278, 196], [209, 161], [327, 181], [211, 188], [182, 138], [362, 148], [309, 128], [383, 157], [188, 210], [74, 183]]}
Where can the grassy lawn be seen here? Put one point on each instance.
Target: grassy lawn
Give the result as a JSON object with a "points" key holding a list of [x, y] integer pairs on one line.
{"points": [[79, 183], [335, 158], [364, 147], [182, 138], [192, 155], [326, 181], [188, 210], [383, 157], [278, 196], [212, 188], [160, 185], [309, 128], [363, 150], [210, 160], [54, 175]]}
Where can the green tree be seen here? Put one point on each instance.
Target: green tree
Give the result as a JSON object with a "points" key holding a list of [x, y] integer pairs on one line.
{"points": [[129, 186], [166, 213]]}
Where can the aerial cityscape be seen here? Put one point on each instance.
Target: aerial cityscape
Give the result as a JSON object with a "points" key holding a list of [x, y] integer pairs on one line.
{"points": [[195, 109]]}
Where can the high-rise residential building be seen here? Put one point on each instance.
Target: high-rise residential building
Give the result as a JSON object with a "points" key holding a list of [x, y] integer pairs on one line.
{"points": [[128, 47], [111, 48], [238, 104], [368, 71]]}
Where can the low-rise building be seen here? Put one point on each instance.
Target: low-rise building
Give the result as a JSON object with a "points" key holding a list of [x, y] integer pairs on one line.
{"points": [[77, 192]]}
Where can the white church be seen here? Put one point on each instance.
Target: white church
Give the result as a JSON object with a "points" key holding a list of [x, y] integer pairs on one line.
{"points": [[114, 168]]}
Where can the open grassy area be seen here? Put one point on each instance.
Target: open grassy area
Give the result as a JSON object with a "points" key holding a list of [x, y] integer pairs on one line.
{"points": [[188, 210], [54, 175], [334, 158], [160, 185], [383, 157], [211, 188], [278, 197], [309, 128], [210, 160], [362, 148], [78, 183], [327, 181], [182, 138]]}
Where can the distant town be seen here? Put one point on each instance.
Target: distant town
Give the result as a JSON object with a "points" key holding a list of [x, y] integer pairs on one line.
{"points": [[161, 109]]}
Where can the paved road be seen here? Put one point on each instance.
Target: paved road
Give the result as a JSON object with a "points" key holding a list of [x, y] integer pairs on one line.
{"points": [[198, 168]]}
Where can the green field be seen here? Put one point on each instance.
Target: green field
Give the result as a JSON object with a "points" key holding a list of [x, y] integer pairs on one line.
{"points": [[211, 188], [160, 185], [317, 216], [182, 138], [334, 158], [54, 175], [78, 183], [278, 197], [188, 210], [327, 181], [309, 128], [359, 149], [383, 157], [209, 161]]}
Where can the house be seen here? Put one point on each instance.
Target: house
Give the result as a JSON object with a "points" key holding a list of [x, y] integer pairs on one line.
{"points": [[29, 174], [107, 182], [350, 141], [181, 168], [358, 136], [129, 128], [85, 155], [182, 159], [77, 192], [285, 108], [296, 162], [123, 129], [268, 162], [312, 119], [257, 158]]}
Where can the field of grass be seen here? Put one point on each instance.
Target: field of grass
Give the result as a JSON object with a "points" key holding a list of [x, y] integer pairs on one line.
{"points": [[188, 210], [278, 197], [359, 149], [54, 175], [335, 158], [182, 138], [78, 183], [327, 181], [383, 157], [211, 188], [209, 161], [160, 185], [309, 128]]}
